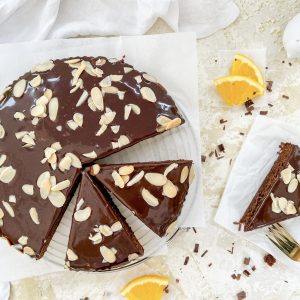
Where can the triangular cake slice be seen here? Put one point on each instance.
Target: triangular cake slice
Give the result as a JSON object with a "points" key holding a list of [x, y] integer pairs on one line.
{"points": [[278, 198], [153, 191], [100, 238]]}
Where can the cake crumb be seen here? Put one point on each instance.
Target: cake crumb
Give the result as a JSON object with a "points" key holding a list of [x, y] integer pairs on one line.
{"points": [[269, 259], [241, 295], [246, 261]]}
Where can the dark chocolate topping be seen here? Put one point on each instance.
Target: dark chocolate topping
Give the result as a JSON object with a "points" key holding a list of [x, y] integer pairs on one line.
{"points": [[103, 212], [58, 77], [160, 217]]}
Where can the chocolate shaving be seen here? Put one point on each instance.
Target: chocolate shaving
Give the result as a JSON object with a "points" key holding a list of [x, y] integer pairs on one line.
{"points": [[290, 64], [203, 158], [222, 121], [269, 85], [285, 97], [242, 133], [211, 154], [246, 273], [269, 259], [186, 261], [248, 113], [238, 276], [221, 148], [270, 105], [204, 253], [249, 103], [216, 154], [194, 229], [177, 280], [233, 276], [253, 268], [241, 295], [220, 157], [263, 112], [224, 127], [166, 290], [196, 248], [230, 161], [246, 261], [209, 265]]}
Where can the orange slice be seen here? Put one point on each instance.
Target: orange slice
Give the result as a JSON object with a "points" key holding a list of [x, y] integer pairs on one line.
{"points": [[236, 90], [245, 66], [149, 287]]}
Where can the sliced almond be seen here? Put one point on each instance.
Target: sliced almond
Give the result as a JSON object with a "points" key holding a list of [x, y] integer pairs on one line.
{"points": [[170, 190], [7, 174], [34, 215], [42, 177], [138, 79], [95, 169], [8, 208], [36, 81], [191, 175], [118, 179], [59, 128], [115, 129], [156, 179], [110, 90], [184, 174], [65, 163], [57, 146], [149, 198], [48, 94], [125, 178], [83, 214], [38, 110], [126, 170], [28, 250], [91, 154], [135, 108], [105, 230], [79, 204], [133, 256], [12, 199], [171, 228], [78, 72], [293, 185], [127, 111], [97, 98], [107, 117], [127, 70], [19, 88], [53, 109], [27, 139], [117, 226], [75, 161], [19, 135], [96, 238], [123, 141], [35, 121], [101, 130], [1, 213], [121, 95], [100, 61], [57, 199], [148, 94], [82, 98], [46, 66], [23, 240], [107, 254], [91, 104], [290, 208], [61, 185], [71, 255], [2, 132], [72, 124], [3, 158], [170, 168], [136, 178], [116, 77], [45, 187], [78, 119], [105, 82], [149, 78], [282, 203], [286, 175], [28, 189], [19, 116], [72, 61]]}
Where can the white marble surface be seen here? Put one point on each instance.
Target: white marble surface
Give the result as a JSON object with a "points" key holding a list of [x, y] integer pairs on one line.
{"points": [[260, 24]]}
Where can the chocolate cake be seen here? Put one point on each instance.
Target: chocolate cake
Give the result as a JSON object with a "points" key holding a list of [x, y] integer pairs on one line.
{"points": [[278, 198], [100, 238], [153, 191], [55, 120]]}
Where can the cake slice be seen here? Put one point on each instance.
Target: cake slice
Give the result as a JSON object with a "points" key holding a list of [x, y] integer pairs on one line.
{"points": [[153, 191], [100, 238], [278, 198]]}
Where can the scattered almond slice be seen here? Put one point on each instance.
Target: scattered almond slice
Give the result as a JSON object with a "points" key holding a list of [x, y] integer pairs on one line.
{"points": [[36, 81], [149, 198], [83, 214], [19, 88], [53, 109], [34, 215], [91, 154], [148, 94], [136, 178]]}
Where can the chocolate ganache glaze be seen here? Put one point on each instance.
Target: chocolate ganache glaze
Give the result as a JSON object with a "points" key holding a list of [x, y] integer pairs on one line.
{"points": [[58, 117], [153, 191], [100, 238]]}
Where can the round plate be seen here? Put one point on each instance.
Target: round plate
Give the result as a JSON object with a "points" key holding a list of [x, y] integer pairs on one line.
{"points": [[175, 144]]}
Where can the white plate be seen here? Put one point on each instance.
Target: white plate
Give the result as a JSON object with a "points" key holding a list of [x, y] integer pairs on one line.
{"points": [[175, 144]]}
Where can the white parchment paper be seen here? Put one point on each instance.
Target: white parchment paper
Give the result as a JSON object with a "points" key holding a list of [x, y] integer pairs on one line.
{"points": [[254, 161], [172, 58]]}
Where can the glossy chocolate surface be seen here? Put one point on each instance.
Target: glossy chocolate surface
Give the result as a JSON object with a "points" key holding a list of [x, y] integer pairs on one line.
{"points": [[26, 161], [264, 214], [157, 218], [103, 212]]}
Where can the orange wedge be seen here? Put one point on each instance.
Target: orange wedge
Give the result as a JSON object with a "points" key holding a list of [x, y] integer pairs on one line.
{"points": [[149, 287], [236, 90], [245, 66]]}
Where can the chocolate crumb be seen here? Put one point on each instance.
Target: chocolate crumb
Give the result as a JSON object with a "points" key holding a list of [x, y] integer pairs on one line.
{"points": [[216, 154], [224, 127], [290, 64], [231, 250], [204, 253], [242, 133], [194, 229], [166, 290], [203, 158], [269, 259], [285, 97], [216, 60], [266, 68], [209, 265], [186, 261], [238, 276], [196, 248], [283, 61], [222, 121], [246, 273], [269, 85], [85, 298], [230, 161], [233, 276], [221, 148], [263, 112], [246, 261], [220, 157], [241, 295], [249, 103], [248, 113], [270, 105], [286, 281], [211, 154], [253, 268]]}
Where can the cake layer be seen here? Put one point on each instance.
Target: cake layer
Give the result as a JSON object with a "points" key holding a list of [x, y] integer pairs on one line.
{"points": [[153, 191], [100, 237]]}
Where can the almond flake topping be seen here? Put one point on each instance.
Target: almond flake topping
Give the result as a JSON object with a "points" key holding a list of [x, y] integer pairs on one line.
{"points": [[156, 179], [116, 77], [105, 230], [115, 128], [96, 238], [91, 154], [29, 251], [149, 198], [1, 213], [3, 158], [61, 185], [127, 70], [148, 94], [133, 256], [286, 175], [36, 81], [83, 214], [23, 240], [19, 88], [7, 174], [78, 72], [19, 116], [168, 125], [8, 208], [57, 199], [97, 98], [122, 141], [293, 185], [12, 199], [281, 204], [101, 130], [78, 119], [191, 175], [82, 98], [28, 189], [117, 226], [184, 174], [107, 117], [95, 169], [170, 168], [149, 78], [71, 255], [65, 164], [138, 79], [72, 61], [47, 66], [136, 178], [53, 109], [126, 170], [121, 95], [118, 179], [34, 215], [75, 161], [170, 190], [105, 82], [2, 132], [79, 85], [107, 254]]}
